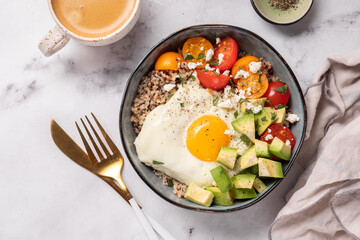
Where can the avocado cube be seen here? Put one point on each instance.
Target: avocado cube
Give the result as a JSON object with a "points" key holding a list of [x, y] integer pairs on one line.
{"points": [[244, 180], [280, 149], [263, 121], [221, 178], [242, 193], [255, 102], [262, 149], [259, 185], [280, 115], [199, 195], [227, 157], [223, 199], [249, 158], [270, 168], [245, 125]]}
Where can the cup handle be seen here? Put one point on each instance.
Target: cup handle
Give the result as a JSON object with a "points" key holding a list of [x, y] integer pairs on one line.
{"points": [[53, 41]]}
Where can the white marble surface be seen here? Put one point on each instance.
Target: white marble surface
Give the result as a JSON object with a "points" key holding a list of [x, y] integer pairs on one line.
{"points": [[43, 195]]}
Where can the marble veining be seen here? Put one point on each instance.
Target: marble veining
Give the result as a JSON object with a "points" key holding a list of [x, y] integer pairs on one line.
{"points": [[46, 196]]}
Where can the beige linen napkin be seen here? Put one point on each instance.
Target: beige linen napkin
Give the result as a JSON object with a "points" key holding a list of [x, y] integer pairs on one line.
{"points": [[325, 202]]}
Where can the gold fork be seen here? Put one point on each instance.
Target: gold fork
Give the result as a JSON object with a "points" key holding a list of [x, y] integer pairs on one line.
{"points": [[109, 169]]}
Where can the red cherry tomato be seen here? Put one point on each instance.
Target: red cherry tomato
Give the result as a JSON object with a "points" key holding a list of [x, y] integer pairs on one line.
{"points": [[229, 48], [274, 95], [281, 132], [212, 80]]}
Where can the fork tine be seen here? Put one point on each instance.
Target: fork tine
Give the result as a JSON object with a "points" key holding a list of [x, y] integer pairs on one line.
{"points": [[92, 141], [98, 138], [111, 144], [88, 149]]}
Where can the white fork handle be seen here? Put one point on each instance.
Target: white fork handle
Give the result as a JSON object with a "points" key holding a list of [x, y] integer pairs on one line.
{"points": [[165, 234], [143, 220]]}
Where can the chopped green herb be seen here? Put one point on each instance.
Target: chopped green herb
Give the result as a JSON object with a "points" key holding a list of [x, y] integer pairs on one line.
{"points": [[236, 114], [224, 48], [216, 73], [263, 118], [269, 103], [242, 84], [282, 89], [179, 99], [182, 105], [232, 91], [170, 183], [280, 106], [232, 83], [245, 139], [188, 56], [181, 79], [170, 95], [193, 77], [243, 100], [200, 56], [204, 70], [157, 162], [248, 54], [238, 156], [214, 63], [273, 116], [260, 78], [215, 101]]}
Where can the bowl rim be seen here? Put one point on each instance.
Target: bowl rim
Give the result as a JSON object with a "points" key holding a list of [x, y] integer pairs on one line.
{"points": [[277, 181], [278, 23]]}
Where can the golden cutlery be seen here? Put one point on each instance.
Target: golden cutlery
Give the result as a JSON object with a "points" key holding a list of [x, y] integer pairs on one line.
{"points": [[108, 168]]}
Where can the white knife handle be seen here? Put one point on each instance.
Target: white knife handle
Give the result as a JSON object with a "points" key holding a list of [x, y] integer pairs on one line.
{"points": [[165, 234], [143, 220]]}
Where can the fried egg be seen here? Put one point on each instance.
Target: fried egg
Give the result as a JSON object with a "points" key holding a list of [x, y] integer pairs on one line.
{"points": [[183, 137]]}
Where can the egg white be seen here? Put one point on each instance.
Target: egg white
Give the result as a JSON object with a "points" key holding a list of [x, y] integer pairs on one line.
{"points": [[163, 135]]}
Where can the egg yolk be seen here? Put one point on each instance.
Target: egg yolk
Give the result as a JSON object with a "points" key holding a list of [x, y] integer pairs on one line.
{"points": [[205, 136]]}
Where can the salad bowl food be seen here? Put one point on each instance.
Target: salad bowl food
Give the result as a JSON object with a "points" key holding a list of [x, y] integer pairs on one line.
{"points": [[195, 90]]}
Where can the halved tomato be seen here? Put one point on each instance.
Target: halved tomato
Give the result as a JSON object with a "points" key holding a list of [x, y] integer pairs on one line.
{"points": [[279, 131], [194, 50], [229, 50], [243, 63], [212, 80], [277, 93]]}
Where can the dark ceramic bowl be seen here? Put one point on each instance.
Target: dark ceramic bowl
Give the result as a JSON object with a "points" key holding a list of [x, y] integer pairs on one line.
{"points": [[248, 42]]}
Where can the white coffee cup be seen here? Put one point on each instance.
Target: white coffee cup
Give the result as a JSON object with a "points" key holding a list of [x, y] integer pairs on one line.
{"points": [[59, 36]]}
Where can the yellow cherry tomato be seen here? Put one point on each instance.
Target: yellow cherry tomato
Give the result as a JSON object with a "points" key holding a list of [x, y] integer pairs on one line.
{"points": [[168, 61], [194, 50]]}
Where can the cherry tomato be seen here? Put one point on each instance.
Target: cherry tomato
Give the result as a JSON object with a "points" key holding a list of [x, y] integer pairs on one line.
{"points": [[243, 63], [274, 95], [194, 50], [229, 48], [257, 82], [168, 61], [212, 80], [281, 132]]}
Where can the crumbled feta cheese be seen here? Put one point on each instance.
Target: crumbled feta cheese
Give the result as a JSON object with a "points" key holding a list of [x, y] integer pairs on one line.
{"points": [[248, 91], [218, 40], [268, 137], [207, 67], [241, 74], [226, 104], [287, 142], [220, 58], [209, 54], [217, 71], [255, 67], [226, 72], [168, 87], [202, 48], [227, 132], [193, 65], [213, 109], [241, 94], [253, 108], [292, 118], [269, 130], [194, 74]]}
